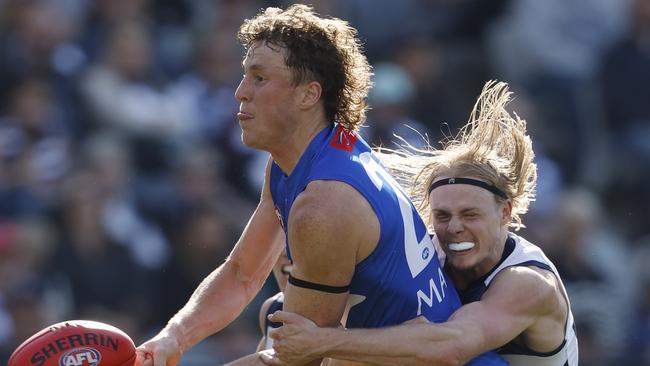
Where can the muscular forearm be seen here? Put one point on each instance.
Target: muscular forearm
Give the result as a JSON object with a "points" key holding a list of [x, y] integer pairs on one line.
{"points": [[411, 344], [250, 360], [216, 302]]}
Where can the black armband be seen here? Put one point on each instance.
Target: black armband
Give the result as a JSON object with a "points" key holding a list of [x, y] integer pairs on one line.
{"points": [[317, 286]]}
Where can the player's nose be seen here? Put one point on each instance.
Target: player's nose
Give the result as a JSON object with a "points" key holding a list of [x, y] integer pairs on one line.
{"points": [[455, 225], [243, 93]]}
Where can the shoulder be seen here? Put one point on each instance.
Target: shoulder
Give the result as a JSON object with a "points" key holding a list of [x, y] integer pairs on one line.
{"points": [[331, 224], [326, 202], [533, 289]]}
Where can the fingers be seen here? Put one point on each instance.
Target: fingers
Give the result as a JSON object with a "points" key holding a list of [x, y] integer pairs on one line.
{"points": [[143, 358], [269, 357], [278, 316], [284, 317], [162, 350], [274, 333], [139, 359]]}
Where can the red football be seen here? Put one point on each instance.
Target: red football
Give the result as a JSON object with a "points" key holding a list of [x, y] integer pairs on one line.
{"points": [[76, 343]]}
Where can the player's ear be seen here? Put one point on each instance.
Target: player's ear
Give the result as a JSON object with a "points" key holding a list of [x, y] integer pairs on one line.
{"points": [[506, 212], [311, 94]]}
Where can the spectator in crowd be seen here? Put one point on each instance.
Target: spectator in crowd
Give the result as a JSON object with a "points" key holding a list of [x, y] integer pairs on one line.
{"points": [[34, 149], [390, 124], [588, 251], [625, 83]]}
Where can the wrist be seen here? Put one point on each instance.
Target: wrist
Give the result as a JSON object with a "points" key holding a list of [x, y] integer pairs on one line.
{"points": [[327, 341], [175, 333]]}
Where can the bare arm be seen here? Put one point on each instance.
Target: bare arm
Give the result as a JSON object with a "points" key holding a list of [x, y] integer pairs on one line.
{"points": [[224, 293], [300, 338], [231, 287], [254, 359], [331, 228], [250, 360], [517, 299]]}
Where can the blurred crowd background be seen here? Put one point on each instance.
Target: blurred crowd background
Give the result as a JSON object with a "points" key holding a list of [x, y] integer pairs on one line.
{"points": [[123, 180]]}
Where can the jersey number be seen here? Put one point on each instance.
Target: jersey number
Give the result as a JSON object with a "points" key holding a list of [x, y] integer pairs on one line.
{"points": [[418, 252]]}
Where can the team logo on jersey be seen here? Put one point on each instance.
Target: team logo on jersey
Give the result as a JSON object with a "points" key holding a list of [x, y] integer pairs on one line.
{"points": [[425, 253], [343, 139], [84, 356], [279, 215]]}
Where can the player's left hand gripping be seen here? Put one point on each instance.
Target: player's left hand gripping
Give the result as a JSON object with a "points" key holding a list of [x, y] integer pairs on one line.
{"points": [[269, 357], [294, 342]]}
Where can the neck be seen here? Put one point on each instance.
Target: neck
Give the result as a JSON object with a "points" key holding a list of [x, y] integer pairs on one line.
{"points": [[463, 278], [288, 155]]}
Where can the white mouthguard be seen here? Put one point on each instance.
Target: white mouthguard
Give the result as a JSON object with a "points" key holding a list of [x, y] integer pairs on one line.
{"points": [[458, 247]]}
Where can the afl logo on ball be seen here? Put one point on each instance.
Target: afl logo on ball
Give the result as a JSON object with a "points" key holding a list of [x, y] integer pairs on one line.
{"points": [[80, 357]]}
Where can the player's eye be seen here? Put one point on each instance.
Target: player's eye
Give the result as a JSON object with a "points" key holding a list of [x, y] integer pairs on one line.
{"points": [[471, 215], [441, 217]]}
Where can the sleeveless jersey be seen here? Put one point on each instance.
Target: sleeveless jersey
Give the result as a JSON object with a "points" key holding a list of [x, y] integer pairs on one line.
{"points": [[402, 278], [519, 252], [276, 304]]}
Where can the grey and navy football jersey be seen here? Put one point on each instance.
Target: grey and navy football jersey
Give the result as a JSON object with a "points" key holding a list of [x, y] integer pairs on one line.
{"points": [[519, 252], [276, 304]]}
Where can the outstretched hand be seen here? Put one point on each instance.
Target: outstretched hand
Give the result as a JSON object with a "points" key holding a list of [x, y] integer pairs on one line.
{"points": [[162, 350], [294, 343]]}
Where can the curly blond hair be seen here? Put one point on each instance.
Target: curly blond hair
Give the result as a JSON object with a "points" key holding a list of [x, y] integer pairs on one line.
{"points": [[323, 49], [493, 146]]}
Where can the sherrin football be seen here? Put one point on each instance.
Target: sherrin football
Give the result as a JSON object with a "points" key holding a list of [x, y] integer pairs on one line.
{"points": [[76, 343]]}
